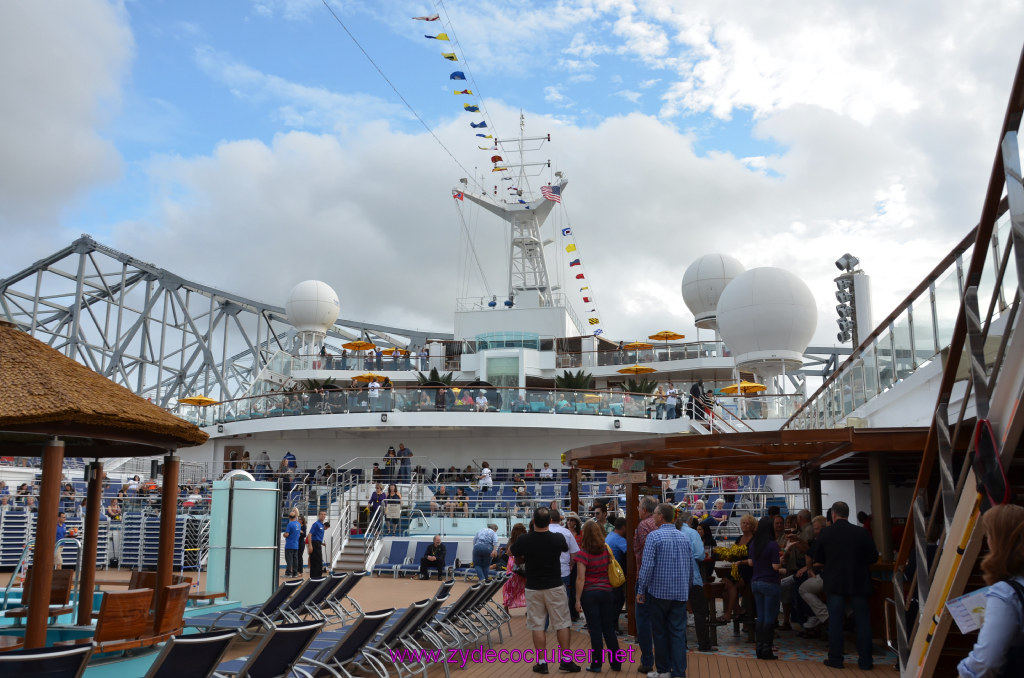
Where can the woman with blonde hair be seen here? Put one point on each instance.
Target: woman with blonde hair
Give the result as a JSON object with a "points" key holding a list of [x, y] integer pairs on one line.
{"points": [[594, 597], [999, 649], [513, 593]]}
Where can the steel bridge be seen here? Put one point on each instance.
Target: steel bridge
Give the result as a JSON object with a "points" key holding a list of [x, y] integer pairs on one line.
{"points": [[156, 333]]}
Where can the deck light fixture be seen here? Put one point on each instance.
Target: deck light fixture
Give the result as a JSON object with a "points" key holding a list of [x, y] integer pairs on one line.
{"points": [[384, 418]]}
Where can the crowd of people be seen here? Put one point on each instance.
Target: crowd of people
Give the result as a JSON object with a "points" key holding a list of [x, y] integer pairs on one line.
{"points": [[811, 569]]}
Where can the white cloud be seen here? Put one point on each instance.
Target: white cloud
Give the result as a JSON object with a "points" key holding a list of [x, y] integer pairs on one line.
{"points": [[585, 49], [62, 75], [553, 95], [629, 95], [297, 106], [647, 84]]}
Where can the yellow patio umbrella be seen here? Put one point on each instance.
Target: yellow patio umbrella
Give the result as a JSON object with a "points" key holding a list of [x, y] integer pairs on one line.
{"points": [[637, 346], [636, 369], [359, 345], [368, 377], [198, 401], [743, 387], [666, 335], [391, 351]]}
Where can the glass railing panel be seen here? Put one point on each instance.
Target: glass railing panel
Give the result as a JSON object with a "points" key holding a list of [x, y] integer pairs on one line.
{"points": [[924, 330], [903, 350], [886, 367], [869, 370], [947, 306]]}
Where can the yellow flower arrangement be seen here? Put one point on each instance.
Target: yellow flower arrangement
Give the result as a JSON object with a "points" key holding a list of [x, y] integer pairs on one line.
{"points": [[733, 553]]}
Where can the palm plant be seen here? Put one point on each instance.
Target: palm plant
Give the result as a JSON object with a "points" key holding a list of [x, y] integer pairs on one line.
{"points": [[580, 381], [642, 385], [316, 384], [434, 377]]}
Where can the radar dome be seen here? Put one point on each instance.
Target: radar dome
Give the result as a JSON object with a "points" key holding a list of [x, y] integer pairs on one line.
{"points": [[312, 306], [703, 283], [767, 317]]}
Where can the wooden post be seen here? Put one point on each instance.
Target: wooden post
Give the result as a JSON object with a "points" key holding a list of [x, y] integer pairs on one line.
{"points": [[632, 521], [46, 539], [168, 522], [814, 483], [574, 490], [90, 537], [881, 515]]}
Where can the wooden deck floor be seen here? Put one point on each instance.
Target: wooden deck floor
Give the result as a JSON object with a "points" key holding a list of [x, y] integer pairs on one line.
{"points": [[734, 658]]}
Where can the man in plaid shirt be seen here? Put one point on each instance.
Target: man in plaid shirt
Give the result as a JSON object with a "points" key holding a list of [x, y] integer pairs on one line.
{"points": [[644, 637], [663, 584]]}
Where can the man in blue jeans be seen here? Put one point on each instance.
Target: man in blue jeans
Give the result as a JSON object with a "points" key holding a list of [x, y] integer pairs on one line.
{"points": [[846, 551], [644, 635], [664, 584], [485, 547]]}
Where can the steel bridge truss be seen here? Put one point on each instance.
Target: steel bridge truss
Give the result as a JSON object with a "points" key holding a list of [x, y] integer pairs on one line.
{"points": [[154, 332]]}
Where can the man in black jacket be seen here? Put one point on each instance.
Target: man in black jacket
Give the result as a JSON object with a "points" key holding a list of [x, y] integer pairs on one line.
{"points": [[433, 559], [846, 551]]}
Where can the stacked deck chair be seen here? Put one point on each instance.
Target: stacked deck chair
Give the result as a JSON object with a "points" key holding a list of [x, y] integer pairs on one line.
{"points": [[249, 621]]}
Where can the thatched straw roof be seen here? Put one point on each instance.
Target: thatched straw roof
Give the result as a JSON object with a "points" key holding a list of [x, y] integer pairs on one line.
{"points": [[42, 391]]}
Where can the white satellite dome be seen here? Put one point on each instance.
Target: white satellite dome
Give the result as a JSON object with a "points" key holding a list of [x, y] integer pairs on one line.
{"points": [[312, 306], [703, 283], [767, 317]]}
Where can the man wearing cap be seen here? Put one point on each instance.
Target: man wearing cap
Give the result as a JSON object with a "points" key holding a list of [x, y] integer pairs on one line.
{"points": [[485, 547]]}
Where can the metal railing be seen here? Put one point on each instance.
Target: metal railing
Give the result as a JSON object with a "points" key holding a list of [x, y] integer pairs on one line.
{"points": [[913, 334], [510, 400]]}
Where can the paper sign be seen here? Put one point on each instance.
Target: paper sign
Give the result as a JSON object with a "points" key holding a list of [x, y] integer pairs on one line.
{"points": [[968, 611]]}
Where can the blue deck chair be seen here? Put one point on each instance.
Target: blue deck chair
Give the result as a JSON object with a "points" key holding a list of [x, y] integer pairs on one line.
{"points": [[336, 601], [414, 565], [47, 662], [249, 621], [279, 650], [396, 558], [293, 608], [196, 655], [348, 648], [394, 638]]}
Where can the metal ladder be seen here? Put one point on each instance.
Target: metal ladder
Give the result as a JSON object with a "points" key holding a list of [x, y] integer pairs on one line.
{"points": [[994, 386]]}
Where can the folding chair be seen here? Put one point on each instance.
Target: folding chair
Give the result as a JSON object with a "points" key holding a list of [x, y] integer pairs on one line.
{"points": [[194, 655], [46, 662], [249, 621], [277, 652]]}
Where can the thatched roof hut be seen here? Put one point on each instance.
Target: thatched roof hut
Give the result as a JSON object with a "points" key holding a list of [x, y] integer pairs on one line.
{"points": [[45, 392]]}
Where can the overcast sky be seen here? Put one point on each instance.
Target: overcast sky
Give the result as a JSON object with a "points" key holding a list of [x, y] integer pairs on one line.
{"points": [[251, 145]]}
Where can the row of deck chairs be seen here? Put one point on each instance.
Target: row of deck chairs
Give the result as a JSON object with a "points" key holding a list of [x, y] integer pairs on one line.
{"points": [[380, 641], [399, 563]]}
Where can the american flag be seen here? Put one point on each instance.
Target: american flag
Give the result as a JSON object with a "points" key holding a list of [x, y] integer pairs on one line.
{"points": [[552, 193]]}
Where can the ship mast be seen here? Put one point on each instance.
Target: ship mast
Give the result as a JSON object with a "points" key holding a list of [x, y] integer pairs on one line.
{"points": [[527, 267]]}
